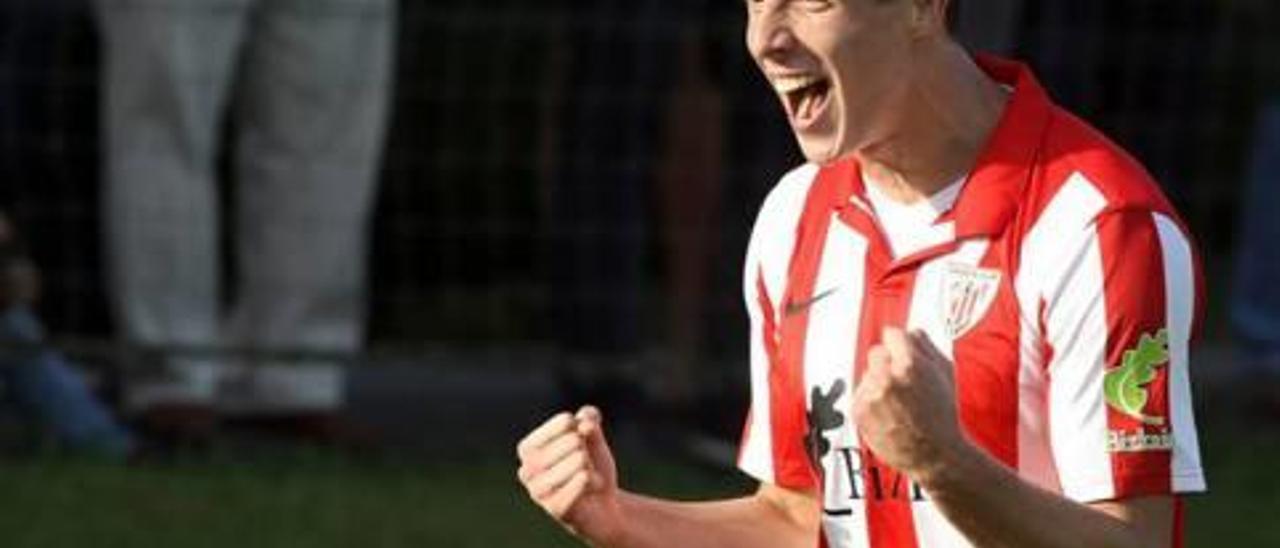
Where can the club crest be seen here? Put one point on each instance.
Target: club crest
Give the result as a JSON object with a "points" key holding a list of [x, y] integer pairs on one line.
{"points": [[967, 294]]}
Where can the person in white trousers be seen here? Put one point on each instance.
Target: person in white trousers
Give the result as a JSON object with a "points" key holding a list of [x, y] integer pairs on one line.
{"points": [[306, 86]]}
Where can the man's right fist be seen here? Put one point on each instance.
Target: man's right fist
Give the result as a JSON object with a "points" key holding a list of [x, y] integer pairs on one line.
{"points": [[568, 470]]}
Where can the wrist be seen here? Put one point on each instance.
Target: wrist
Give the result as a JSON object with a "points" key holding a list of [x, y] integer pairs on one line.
{"points": [[615, 531], [955, 464]]}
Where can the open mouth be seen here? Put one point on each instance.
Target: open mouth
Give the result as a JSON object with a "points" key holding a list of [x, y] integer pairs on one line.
{"points": [[806, 98]]}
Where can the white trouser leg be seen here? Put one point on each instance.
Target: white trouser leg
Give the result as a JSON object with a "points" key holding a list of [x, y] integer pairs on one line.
{"points": [[167, 66], [314, 101]]}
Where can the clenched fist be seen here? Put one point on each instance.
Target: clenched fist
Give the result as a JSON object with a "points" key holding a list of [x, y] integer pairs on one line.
{"points": [[905, 404], [568, 470]]}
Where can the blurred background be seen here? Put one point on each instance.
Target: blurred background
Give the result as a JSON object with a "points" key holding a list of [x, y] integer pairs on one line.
{"points": [[302, 271]]}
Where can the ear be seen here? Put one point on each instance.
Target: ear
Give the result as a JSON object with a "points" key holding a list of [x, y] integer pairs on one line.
{"points": [[929, 17]]}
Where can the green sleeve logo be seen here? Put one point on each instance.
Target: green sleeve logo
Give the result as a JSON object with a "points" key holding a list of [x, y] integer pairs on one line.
{"points": [[1125, 386]]}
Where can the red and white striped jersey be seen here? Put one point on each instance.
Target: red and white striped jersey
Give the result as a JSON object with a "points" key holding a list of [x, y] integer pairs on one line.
{"points": [[1063, 287]]}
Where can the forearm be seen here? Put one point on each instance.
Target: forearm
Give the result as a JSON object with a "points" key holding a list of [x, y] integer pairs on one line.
{"points": [[743, 522], [993, 507]]}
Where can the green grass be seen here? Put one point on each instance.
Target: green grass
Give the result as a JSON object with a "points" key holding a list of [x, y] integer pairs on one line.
{"points": [[295, 499], [319, 500], [1244, 489]]}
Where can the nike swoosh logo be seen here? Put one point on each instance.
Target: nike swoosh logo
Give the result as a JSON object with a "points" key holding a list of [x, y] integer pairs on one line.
{"points": [[794, 308]]}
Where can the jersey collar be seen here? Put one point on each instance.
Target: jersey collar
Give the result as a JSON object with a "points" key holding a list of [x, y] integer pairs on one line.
{"points": [[993, 188], [997, 182], [995, 185]]}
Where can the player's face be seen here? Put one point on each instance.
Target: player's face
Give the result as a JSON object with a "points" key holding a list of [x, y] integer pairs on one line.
{"points": [[838, 66]]}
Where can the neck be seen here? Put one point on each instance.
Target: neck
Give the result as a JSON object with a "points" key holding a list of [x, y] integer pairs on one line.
{"points": [[947, 111]]}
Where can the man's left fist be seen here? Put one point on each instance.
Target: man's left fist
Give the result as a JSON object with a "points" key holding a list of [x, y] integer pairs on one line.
{"points": [[905, 404]]}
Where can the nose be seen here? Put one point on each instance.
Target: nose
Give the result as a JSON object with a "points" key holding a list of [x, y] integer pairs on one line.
{"points": [[769, 32]]}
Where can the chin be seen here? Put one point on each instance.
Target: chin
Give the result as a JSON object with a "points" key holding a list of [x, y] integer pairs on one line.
{"points": [[817, 151], [821, 154]]}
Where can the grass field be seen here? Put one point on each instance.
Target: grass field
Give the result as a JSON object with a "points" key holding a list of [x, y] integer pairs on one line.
{"points": [[301, 498], [289, 499]]}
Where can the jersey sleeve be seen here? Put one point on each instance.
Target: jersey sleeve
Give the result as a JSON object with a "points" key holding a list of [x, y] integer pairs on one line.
{"points": [[1118, 320], [763, 280]]}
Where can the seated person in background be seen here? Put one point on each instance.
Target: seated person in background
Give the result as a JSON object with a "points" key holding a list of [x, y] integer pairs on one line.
{"points": [[37, 380]]}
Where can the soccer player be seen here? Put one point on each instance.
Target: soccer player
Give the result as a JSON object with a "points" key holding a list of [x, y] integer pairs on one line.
{"points": [[970, 317]]}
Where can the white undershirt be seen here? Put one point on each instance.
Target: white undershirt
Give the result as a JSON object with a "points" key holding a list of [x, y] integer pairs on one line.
{"points": [[910, 228]]}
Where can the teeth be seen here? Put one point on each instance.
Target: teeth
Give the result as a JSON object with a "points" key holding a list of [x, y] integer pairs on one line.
{"points": [[788, 84]]}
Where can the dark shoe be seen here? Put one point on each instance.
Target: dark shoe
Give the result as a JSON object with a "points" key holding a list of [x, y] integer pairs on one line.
{"points": [[179, 425], [324, 428]]}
